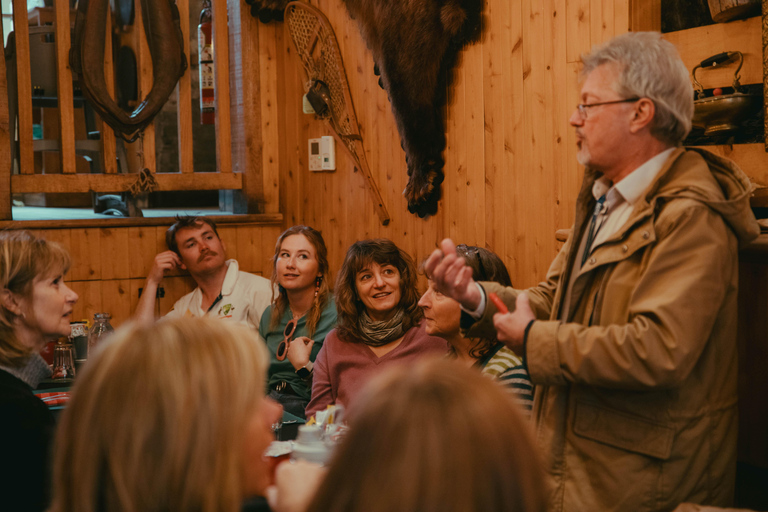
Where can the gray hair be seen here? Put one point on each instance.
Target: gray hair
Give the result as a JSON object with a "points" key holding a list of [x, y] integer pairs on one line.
{"points": [[649, 67]]}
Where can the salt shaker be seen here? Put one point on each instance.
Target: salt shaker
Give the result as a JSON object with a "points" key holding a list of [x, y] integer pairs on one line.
{"points": [[309, 445]]}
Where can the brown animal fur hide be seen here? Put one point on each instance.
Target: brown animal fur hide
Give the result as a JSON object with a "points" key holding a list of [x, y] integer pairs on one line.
{"points": [[414, 44]]}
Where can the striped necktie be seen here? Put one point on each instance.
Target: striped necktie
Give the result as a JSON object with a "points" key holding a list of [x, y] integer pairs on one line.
{"points": [[592, 231]]}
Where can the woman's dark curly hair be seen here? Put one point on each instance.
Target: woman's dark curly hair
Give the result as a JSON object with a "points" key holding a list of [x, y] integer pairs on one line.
{"points": [[348, 304]]}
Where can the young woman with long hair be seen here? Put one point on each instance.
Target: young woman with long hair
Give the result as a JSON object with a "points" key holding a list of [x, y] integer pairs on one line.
{"points": [[301, 315]]}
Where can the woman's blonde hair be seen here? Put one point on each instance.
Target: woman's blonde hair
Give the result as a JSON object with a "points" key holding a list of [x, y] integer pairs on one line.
{"points": [[157, 420], [434, 437], [24, 258], [280, 302]]}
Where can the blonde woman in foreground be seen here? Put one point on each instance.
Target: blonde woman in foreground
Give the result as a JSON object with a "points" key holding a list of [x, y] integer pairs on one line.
{"points": [[171, 417], [434, 436]]}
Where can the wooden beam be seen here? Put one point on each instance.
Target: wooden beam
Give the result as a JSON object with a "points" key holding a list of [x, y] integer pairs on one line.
{"points": [[108, 143], [64, 88], [67, 183], [5, 148], [246, 107], [184, 98], [222, 98], [263, 219], [147, 139], [23, 87]]}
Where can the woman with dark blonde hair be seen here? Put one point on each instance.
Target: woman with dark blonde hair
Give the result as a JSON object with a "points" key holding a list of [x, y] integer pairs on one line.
{"points": [[434, 437], [35, 308], [379, 323], [301, 315], [489, 355], [169, 417]]}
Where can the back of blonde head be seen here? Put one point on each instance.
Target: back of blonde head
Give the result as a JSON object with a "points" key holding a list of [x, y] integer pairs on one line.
{"points": [[157, 420], [23, 259], [434, 437]]}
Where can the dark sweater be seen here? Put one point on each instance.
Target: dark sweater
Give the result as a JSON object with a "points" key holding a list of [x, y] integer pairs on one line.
{"points": [[26, 432]]}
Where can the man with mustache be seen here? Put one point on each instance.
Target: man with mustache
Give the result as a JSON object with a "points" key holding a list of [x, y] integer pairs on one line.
{"points": [[222, 289], [631, 339]]}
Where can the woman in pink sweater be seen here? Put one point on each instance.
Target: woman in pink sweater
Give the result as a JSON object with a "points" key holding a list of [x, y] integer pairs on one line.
{"points": [[379, 323]]}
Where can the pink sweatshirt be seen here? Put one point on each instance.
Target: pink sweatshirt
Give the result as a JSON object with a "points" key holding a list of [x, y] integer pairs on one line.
{"points": [[343, 368]]}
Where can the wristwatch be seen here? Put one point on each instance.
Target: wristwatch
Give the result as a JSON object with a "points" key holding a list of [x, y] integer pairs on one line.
{"points": [[305, 371]]}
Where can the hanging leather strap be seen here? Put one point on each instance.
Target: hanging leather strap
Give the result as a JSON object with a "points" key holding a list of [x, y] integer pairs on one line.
{"points": [[162, 27]]}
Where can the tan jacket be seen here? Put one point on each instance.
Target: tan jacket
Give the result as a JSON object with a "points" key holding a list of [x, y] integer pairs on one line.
{"points": [[635, 401]]}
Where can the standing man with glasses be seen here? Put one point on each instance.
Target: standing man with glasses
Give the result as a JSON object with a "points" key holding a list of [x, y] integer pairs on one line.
{"points": [[631, 339], [223, 291]]}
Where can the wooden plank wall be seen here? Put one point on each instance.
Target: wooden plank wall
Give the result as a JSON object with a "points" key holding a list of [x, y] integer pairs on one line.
{"points": [[110, 265], [511, 174]]}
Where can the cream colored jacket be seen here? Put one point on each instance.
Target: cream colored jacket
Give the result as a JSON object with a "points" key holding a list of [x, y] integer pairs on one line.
{"points": [[635, 403]]}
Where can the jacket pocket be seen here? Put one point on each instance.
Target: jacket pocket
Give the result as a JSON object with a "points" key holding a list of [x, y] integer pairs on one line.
{"points": [[621, 430]]}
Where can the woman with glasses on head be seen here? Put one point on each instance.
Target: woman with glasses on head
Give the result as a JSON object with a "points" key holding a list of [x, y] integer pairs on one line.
{"points": [[380, 323], [296, 324], [169, 417], [490, 356], [35, 308]]}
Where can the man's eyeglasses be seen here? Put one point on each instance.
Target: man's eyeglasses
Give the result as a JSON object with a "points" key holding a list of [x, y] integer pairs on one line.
{"points": [[282, 348], [583, 107]]}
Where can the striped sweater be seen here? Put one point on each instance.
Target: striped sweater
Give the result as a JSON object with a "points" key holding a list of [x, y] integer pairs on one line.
{"points": [[505, 366]]}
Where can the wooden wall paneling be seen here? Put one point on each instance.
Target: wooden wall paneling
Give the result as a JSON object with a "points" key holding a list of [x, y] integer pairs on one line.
{"points": [[108, 140], [23, 87], [537, 90], [497, 55], [116, 299], [751, 158], [184, 97], [268, 107], [85, 249], [696, 44], [146, 143], [6, 212], [60, 236], [142, 250], [644, 15], [115, 253], [110, 183], [64, 88], [89, 302], [601, 20], [563, 171], [175, 288], [513, 104], [222, 97], [575, 171], [455, 167], [622, 19], [577, 28], [228, 235]]}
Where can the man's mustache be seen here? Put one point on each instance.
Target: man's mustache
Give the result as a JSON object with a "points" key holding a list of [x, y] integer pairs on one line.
{"points": [[205, 255]]}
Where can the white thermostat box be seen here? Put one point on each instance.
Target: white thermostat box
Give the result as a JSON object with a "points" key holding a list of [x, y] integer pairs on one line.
{"points": [[322, 154]]}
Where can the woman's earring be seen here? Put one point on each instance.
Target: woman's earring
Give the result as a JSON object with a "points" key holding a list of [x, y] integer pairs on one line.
{"points": [[318, 280]]}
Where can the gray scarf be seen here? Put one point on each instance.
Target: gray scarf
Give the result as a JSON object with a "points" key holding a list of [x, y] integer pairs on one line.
{"points": [[33, 371], [377, 334]]}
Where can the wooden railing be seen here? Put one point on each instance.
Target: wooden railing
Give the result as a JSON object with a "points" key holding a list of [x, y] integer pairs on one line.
{"points": [[68, 179]]}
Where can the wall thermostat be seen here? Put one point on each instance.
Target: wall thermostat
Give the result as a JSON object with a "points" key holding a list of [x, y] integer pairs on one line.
{"points": [[322, 154]]}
